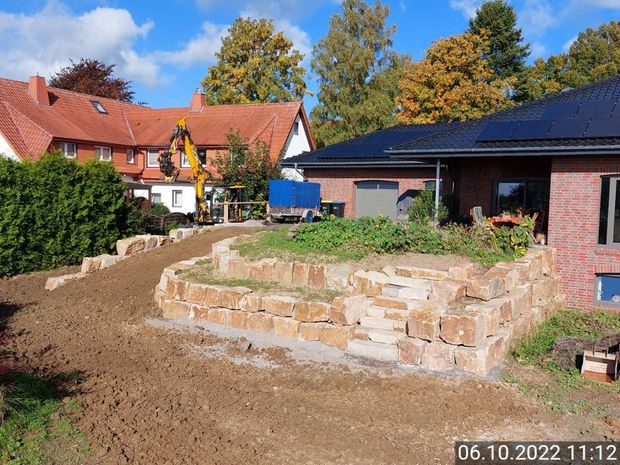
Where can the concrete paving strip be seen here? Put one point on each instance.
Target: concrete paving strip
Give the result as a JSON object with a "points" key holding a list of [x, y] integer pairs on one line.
{"points": [[300, 352]]}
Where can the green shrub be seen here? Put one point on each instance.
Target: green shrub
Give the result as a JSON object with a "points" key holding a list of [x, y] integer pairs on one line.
{"points": [[53, 212], [422, 208], [159, 209]]}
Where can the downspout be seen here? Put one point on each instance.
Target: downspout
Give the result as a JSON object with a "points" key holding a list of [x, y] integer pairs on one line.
{"points": [[300, 173], [437, 187]]}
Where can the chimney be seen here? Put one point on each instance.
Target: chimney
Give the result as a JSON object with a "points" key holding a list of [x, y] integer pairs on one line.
{"points": [[38, 90], [198, 101]]}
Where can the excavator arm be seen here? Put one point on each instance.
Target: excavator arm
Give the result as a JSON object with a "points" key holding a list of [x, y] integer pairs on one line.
{"points": [[181, 141]]}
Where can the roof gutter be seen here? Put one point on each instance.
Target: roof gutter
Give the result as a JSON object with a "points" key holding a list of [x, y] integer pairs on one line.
{"points": [[512, 151], [355, 164]]}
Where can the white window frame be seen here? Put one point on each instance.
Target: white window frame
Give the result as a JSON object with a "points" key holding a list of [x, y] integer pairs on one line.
{"points": [[131, 156], [614, 185], [99, 153], [296, 128], [175, 201], [64, 145], [598, 301], [158, 194], [185, 161], [149, 152]]}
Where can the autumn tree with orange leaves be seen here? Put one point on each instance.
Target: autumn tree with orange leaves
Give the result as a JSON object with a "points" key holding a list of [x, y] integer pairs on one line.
{"points": [[454, 82]]}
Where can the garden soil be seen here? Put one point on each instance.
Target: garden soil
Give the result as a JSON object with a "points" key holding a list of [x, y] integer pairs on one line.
{"points": [[148, 400]]}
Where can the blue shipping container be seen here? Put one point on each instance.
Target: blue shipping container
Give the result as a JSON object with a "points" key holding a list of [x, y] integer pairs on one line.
{"points": [[294, 194]]}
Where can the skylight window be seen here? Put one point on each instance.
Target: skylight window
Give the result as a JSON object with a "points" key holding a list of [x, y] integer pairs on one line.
{"points": [[99, 107]]}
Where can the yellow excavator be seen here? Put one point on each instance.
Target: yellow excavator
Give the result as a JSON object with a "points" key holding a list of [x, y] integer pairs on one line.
{"points": [[181, 141]]}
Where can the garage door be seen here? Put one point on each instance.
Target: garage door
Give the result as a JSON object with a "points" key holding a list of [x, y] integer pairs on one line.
{"points": [[375, 198]]}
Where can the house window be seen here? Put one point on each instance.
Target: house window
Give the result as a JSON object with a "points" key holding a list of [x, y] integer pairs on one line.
{"points": [[151, 158], [103, 153], [609, 214], [177, 198], [99, 107], [531, 195], [156, 197], [69, 149], [202, 156], [184, 161], [296, 128], [131, 156], [608, 289]]}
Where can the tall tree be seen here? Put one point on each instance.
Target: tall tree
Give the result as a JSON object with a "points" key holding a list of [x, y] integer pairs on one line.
{"points": [[452, 83], [507, 52], [95, 78], [543, 79], [255, 65], [358, 74]]}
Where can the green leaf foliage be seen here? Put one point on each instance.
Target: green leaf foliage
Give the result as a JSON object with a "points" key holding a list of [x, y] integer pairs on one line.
{"points": [[53, 212], [358, 74], [255, 64]]}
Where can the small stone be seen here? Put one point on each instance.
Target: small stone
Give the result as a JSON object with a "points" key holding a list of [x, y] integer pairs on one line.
{"points": [[130, 246]]}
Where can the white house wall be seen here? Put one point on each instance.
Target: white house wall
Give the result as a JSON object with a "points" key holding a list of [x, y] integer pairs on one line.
{"points": [[6, 150], [188, 205], [296, 144]]}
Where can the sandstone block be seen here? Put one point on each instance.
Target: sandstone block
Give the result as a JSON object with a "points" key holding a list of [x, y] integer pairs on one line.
{"points": [[203, 294], [238, 268], [199, 312], [283, 273], [438, 356], [396, 303], [361, 332], [230, 297], [252, 302], [336, 336], [286, 327], [424, 324], [521, 327], [480, 360], [396, 314], [383, 323], [261, 322], [220, 316], [410, 350], [300, 274], [485, 287], [421, 273], [263, 269], [163, 240], [521, 299], [413, 293], [311, 312], [370, 283], [57, 281], [176, 288], [548, 255], [492, 316], [390, 291], [130, 246], [375, 311], [90, 264], [506, 309], [390, 270], [415, 283], [310, 331], [544, 288], [347, 310], [448, 290], [369, 349], [280, 305], [150, 242], [462, 272], [172, 308], [239, 319], [317, 277], [383, 336], [510, 276], [463, 328], [337, 276]]}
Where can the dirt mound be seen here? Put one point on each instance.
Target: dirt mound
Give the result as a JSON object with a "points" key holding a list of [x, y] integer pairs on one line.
{"points": [[567, 351]]}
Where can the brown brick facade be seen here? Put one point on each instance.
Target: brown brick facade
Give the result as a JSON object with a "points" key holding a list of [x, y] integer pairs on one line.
{"points": [[339, 183], [574, 223]]}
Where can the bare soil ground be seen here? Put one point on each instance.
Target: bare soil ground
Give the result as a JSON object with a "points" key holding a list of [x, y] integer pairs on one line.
{"points": [[148, 400]]}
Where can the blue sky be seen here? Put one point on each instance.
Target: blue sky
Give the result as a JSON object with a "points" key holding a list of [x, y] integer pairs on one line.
{"points": [[166, 47]]}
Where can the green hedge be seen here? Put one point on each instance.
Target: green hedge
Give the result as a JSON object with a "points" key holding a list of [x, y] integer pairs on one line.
{"points": [[53, 212]]}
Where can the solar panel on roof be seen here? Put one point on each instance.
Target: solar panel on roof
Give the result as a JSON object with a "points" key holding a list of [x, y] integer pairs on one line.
{"points": [[568, 128], [600, 109], [530, 130], [560, 110], [603, 127], [497, 130]]}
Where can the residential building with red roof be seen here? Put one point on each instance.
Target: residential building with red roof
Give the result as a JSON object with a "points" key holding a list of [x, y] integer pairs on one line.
{"points": [[35, 118]]}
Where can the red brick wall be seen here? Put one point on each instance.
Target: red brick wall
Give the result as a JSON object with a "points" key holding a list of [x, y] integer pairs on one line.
{"points": [[475, 178], [339, 183], [574, 222]]}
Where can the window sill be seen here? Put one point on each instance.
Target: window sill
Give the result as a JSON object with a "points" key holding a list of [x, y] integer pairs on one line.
{"points": [[613, 250]]}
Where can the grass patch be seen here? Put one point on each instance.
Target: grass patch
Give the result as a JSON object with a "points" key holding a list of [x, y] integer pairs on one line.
{"points": [[205, 274], [587, 325], [37, 427]]}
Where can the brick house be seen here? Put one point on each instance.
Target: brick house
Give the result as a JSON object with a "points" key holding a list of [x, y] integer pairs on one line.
{"points": [[558, 156], [35, 118], [362, 174]]}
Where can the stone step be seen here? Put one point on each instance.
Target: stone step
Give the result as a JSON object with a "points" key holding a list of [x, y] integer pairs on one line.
{"points": [[415, 283], [396, 303], [377, 312], [383, 323], [385, 337], [361, 332], [420, 273], [374, 350], [399, 292]]}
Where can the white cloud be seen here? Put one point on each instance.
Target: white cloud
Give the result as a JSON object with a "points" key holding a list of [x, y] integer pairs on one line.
{"points": [[536, 17], [568, 43], [47, 40], [200, 49], [467, 7], [538, 50]]}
